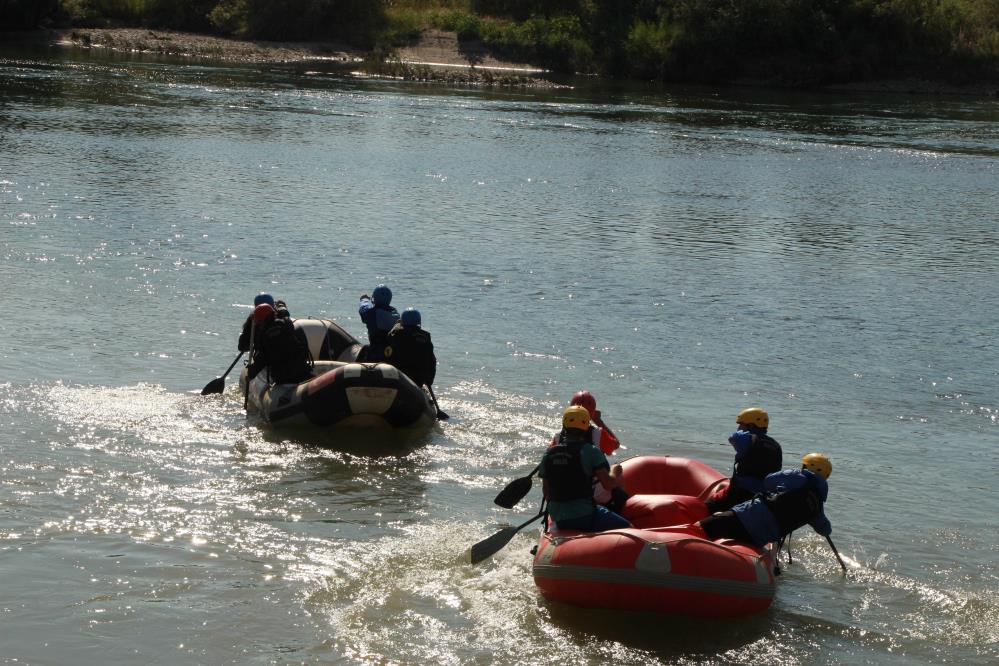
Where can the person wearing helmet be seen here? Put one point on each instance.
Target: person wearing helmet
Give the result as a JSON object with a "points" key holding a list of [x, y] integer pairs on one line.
{"points": [[608, 443], [281, 309], [792, 498], [756, 455], [567, 470], [602, 435], [410, 349], [379, 316], [279, 348]]}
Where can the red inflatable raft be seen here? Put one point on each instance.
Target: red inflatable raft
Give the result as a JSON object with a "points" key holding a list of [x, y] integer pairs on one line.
{"points": [[663, 563]]}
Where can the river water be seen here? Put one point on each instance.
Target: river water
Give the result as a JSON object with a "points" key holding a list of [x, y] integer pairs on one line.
{"points": [[682, 252]]}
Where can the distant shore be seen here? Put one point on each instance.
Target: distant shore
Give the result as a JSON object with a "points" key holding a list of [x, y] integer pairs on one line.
{"points": [[436, 57]]}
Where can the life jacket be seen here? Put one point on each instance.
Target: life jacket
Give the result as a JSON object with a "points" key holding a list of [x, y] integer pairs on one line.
{"points": [[285, 353], [411, 350], [380, 320], [763, 457], [794, 508], [567, 480]]}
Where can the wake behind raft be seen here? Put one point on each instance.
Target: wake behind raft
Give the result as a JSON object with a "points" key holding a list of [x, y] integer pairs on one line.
{"points": [[341, 391], [663, 563]]}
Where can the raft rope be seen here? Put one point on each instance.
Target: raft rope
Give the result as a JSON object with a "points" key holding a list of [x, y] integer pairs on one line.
{"points": [[558, 540]]}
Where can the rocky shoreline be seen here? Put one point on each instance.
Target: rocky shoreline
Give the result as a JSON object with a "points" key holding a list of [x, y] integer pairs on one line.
{"points": [[438, 57]]}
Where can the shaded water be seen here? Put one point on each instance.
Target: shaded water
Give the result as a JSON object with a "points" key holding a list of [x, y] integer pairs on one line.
{"points": [[683, 253]]}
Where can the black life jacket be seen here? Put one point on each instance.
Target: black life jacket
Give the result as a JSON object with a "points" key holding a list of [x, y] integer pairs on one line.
{"points": [[794, 508], [411, 350], [285, 352], [567, 480], [763, 457], [379, 336]]}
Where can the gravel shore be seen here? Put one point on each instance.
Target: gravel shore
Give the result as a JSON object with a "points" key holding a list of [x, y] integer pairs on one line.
{"points": [[437, 57]]}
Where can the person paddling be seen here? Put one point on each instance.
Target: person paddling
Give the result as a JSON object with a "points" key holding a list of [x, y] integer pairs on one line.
{"points": [[567, 470], [379, 316], [278, 348], [608, 442], [410, 349], [280, 311], [756, 455], [792, 498]]}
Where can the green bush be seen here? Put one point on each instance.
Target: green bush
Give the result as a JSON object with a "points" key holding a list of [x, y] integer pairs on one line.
{"points": [[648, 49], [356, 21], [89, 12], [799, 41], [190, 15]]}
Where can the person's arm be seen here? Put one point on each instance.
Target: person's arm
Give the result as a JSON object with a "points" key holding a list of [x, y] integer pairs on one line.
{"points": [[821, 524], [244, 337], [608, 442], [604, 477], [741, 440], [431, 360], [364, 305], [541, 475]]}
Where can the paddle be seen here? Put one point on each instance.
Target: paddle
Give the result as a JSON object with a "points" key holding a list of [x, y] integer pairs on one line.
{"points": [[246, 394], [217, 385], [516, 490], [489, 547], [836, 553], [441, 416]]}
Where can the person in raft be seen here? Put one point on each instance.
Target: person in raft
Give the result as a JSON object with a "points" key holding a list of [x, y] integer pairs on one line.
{"points": [[410, 349], [244, 337], [756, 455], [279, 348], [379, 316], [608, 442], [567, 470], [794, 497]]}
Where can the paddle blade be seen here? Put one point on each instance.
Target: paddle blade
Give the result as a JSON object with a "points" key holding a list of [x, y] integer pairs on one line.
{"points": [[489, 547], [217, 385], [513, 493], [441, 416]]}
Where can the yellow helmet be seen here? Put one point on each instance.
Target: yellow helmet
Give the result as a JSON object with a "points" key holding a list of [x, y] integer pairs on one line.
{"points": [[817, 463], [576, 417], [754, 416]]}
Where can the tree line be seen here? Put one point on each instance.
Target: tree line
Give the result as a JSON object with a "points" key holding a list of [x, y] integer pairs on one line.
{"points": [[793, 42]]}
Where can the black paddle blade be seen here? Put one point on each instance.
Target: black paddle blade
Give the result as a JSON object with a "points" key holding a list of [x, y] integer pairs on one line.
{"points": [[489, 547], [217, 385], [513, 493], [441, 416]]}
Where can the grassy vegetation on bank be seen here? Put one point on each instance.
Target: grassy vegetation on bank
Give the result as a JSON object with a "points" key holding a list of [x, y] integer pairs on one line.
{"points": [[793, 42]]}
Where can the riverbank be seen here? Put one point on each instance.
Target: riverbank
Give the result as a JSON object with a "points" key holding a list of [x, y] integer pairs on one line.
{"points": [[436, 57]]}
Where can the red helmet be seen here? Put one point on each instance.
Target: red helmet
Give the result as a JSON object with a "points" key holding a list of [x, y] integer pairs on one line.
{"points": [[585, 399], [262, 313]]}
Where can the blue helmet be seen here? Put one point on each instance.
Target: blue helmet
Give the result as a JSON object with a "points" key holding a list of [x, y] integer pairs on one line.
{"points": [[411, 317], [263, 298], [382, 295]]}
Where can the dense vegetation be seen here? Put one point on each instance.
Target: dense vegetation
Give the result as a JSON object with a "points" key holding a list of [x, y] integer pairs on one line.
{"points": [[787, 41]]}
